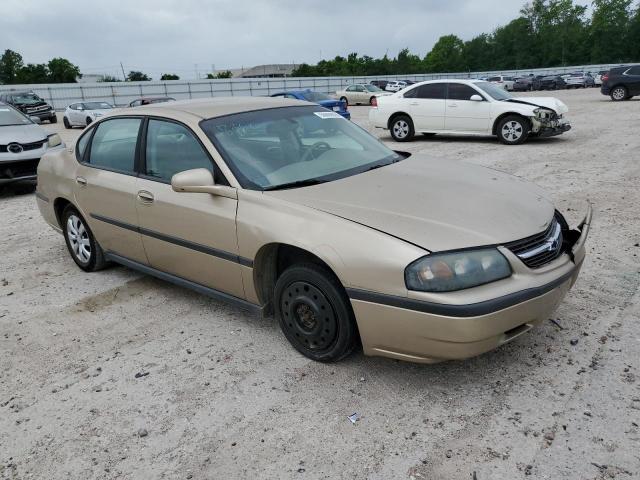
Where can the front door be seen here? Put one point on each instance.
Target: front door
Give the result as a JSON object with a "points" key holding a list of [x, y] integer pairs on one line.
{"points": [[106, 186], [463, 114], [190, 235]]}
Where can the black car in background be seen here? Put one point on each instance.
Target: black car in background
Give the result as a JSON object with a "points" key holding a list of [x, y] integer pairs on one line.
{"points": [[30, 104], [552, 82], [381, 84], [621, 83], [523, 84]]}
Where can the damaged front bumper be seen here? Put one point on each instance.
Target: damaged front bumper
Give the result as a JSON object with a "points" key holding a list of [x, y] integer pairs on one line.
{"points": [[547, 123]]}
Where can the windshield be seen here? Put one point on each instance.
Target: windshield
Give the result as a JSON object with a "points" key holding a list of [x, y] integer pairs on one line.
{"points": [[97, 106], [293, 146], [494, 91], [372, 88], [27, 98], [9, 116], [316, 96]]}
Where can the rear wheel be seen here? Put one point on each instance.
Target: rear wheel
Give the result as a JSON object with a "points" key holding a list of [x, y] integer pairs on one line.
{"points": [[618, 93], [314, 313], [401, 128], [513, 130], [82, 245], [65, 120], [345, 100], [53, 119]]}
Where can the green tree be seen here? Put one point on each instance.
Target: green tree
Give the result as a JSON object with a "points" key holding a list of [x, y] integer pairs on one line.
{"points": [[633, 37], [109, 78], [445, 56], [169, 76], [10, 64], [33, 73], [609, 24], [136, 76], [62, 70], [223, 74]]}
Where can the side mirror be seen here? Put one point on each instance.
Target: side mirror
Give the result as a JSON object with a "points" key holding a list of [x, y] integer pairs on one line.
{"points": [[35, 120], [200, 180], [476, 98]]}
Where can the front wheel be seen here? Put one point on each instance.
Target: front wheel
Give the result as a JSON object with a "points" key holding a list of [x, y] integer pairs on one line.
{"points": [[513, 130], [65, 120], [81, 243], [88, 120], [53, 119], [314, 313], [619, 93], [402, 128]]}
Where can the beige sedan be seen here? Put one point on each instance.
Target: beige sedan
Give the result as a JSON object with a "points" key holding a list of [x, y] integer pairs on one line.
{"points": [[285, 208], [361, 94]]}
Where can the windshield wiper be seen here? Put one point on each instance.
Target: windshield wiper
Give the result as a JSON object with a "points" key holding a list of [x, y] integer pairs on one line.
{"points": [[296, 184]]}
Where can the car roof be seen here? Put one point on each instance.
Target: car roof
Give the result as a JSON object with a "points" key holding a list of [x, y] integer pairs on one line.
{"points": [[217, 106]]}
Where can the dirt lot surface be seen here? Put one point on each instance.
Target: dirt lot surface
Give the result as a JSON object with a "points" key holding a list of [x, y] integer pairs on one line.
{"points": [[118, 375]]}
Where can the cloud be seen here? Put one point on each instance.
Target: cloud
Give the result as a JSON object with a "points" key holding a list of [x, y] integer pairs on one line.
{"points": [[172, 36]]}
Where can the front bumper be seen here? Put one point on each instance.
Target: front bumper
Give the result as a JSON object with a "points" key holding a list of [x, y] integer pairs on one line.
{"points": [[22, 167], [426, 332], [553, 131]]}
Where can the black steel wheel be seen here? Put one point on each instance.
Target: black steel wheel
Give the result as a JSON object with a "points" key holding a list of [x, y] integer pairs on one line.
{"points": [[314, 313]]}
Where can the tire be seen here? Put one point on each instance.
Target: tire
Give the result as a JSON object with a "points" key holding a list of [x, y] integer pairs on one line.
{"points": [[88, 120], [618, 93], [91, 257], [345, 100], [53, 119], [401, 128], [513, 130], [314, 313], [65, 120]]}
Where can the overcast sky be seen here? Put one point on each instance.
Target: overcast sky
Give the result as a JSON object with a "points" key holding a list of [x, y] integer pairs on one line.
{"points": [[172, 36]]}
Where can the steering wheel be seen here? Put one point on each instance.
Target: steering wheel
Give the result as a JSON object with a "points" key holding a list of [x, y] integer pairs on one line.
{"points": [[310, 154]]}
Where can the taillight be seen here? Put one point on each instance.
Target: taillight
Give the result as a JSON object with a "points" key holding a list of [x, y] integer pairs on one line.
{"points": [[605, 77], [374, 102]]}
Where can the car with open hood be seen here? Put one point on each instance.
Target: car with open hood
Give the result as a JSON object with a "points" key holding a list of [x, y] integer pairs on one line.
{"points": [[82, 114], [22, 143], [285, 208], [470, 107]]}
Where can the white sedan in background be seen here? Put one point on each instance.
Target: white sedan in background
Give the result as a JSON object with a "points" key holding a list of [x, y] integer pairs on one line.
{"points": [[502, 81], [360, 94], [82, 114], [468, 107]]}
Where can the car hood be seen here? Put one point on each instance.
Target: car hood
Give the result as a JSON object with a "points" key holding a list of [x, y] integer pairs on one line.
{"points": [[106, 111], [435, 204], [21, 134], [548, 102]]}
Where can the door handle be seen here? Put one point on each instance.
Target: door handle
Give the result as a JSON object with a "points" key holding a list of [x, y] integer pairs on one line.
{"points": [[145, 197], [453, 105], [81, 181]]}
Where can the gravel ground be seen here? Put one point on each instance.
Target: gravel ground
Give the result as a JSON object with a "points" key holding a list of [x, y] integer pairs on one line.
{"points": [[117, 375]]}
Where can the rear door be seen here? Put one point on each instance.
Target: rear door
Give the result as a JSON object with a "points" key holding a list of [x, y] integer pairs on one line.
{"points": [[106, 185], [190, 235], [426, 105], [463, 114], [633, 80]]}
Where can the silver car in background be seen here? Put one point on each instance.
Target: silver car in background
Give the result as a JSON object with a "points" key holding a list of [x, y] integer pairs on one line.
{"points": [[84, 113], [22, 143]]}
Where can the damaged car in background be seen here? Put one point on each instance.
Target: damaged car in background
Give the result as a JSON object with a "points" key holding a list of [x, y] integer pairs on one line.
{"points": [[470, 107], [284, 207]]}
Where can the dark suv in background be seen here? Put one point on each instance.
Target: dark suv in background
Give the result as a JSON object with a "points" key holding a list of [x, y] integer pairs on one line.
{"points": [[621, 83], [30, 104]]}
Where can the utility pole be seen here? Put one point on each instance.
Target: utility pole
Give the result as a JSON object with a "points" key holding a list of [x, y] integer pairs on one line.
{"points": [[124, 77], [196, 68]]}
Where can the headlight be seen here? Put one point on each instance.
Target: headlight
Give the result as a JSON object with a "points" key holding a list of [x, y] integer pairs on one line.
{"points": [[446, 272], [54, 140]]}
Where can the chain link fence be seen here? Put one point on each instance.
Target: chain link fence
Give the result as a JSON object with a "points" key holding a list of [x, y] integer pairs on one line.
{"points": [[122, 93]]}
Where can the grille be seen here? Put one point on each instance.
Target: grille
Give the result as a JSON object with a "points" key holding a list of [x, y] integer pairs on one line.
{"points": [[540, 249], [20, 168], [25, 146]]}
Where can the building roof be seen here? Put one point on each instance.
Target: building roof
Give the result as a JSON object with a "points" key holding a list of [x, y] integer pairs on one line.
{"points": [[272, 70]]}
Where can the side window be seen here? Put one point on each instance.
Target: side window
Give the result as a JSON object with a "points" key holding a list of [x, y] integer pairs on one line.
{"points": [[288, 95], [136, 103], [114, 144], [460, 91], [359, 88], [432, 91], [413, 93], [172, 148], [351, 88], [634, 70], [494, 79], [81, 146]]}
